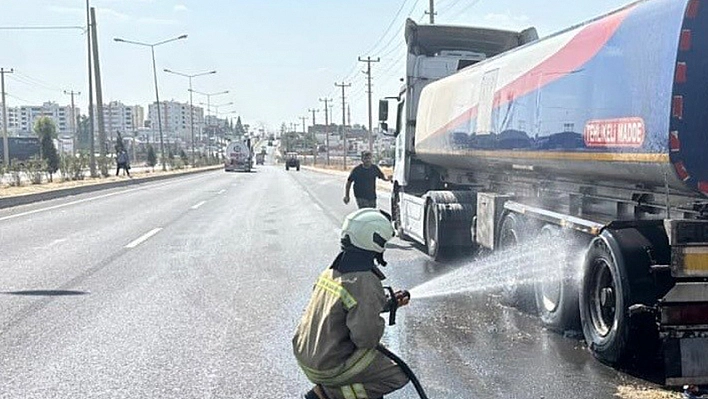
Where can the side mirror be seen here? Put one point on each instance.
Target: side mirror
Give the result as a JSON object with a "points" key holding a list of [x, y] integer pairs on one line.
{"points": [[383, 126], [383, 110]]}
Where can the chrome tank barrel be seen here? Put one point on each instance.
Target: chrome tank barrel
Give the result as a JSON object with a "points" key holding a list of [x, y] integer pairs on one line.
{"points": [[623, 97]]}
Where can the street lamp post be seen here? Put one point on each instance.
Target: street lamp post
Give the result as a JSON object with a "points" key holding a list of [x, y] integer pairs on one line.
{"points": [[191, 107], [157, 94], [208, 96], [216, 116]]}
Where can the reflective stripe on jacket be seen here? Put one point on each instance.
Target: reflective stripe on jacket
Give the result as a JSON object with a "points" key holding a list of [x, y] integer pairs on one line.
{"points": [[337, 336]]}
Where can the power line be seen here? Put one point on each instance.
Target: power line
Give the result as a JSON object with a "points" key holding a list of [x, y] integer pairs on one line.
{"points": [[474, 2], [390, 25], [83, 28]]}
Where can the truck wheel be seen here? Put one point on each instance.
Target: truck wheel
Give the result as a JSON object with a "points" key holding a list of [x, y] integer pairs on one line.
{"points": [[557, 295], [298, 168], [432, 231], [515, 292], [396, 212], [287, 167], [604, 298]]}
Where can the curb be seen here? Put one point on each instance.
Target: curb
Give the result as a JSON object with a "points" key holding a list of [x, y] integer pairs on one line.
{"points": [[24, 199]]}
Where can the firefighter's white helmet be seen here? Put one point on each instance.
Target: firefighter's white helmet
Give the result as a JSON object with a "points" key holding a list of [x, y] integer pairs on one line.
{"points": [[368, 229]]}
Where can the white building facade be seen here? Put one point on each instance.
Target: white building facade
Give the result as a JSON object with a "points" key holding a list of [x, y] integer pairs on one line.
{"points": [[20, 120], [118, 117], [175, 119]]}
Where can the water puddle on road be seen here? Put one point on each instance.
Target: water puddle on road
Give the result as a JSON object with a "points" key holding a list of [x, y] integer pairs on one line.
{"points": [[545, 260]]}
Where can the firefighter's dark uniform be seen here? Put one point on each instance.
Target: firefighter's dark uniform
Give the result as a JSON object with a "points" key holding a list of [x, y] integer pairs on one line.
{"points": [[335, 342]]}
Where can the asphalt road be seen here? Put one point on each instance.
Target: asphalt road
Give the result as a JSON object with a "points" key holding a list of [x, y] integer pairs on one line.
{"points": [[191, 288]]}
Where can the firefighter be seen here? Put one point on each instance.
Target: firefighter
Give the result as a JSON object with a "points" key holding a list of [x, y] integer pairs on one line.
{"points": [[335, 341]]}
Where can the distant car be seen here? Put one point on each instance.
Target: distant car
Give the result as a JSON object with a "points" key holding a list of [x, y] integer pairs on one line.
{"points": [[292, 161], [386, 162]]}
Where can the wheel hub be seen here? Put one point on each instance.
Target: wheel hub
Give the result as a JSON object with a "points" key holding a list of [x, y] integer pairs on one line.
{"points": [[603, 298]]}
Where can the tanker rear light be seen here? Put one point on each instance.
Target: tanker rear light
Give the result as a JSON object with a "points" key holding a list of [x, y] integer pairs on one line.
{"points": [[674, 141], [686, 232], [692, 9], [694, 314], [677, 107], [685, 40], [689, 247], [681, 69]]}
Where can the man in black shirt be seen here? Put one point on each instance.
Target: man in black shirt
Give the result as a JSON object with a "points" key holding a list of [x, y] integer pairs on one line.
{"points": [[364, 178]]}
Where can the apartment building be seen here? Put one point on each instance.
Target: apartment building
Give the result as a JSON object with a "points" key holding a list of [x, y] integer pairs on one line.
{"points": [[118, 117], [20, 119], [175, 119]]}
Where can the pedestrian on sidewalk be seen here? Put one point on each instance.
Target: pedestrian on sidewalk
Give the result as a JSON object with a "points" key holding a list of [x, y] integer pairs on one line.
{"points": [[123, 162], [364, 176]]}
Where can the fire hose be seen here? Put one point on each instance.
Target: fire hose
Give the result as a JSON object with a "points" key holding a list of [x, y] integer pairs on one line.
{"points": [[392, 307]]}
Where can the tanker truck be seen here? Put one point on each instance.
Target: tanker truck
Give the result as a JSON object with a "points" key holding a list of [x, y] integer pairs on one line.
{"points": [[239, 156], [596, 134]]}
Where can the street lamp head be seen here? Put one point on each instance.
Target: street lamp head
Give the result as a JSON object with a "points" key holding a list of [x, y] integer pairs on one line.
{"points": [[212, 72], [118, 39], [167, 70], [182, 37]]}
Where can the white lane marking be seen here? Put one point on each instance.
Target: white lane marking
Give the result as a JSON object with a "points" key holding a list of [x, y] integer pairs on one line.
{"points": [[221, 192], [85, 200], [319, 208], [57, 241], [198, 205], [144, 237]]}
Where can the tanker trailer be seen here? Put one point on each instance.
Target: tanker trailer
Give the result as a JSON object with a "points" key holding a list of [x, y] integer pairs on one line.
{"points": [[596, 133], [238, 156]]}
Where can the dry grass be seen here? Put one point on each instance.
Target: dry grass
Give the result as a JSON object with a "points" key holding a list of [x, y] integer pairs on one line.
{"points": [[11, 191], [633, 392]]}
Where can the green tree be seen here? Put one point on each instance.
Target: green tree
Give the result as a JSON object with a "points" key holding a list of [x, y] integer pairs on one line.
{"points": [[83, 139], [151, 157], [185, 158], [239, 130], [46, 130]]}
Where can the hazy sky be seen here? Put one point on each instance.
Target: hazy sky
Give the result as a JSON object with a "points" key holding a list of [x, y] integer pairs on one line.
{"points": [[276, 57]]}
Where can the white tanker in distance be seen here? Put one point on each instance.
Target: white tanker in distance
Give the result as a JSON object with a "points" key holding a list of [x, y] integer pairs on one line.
{"points": [[239, 156]]}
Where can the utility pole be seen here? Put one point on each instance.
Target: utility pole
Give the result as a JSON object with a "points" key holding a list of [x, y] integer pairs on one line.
{"points": [[344, 122], [314, 136], [431, 12], [368, 61], [313, 115], [304, 131], [326, 109], [5, 145], [303, 119], [92, 145], [73, 116], [99, 91]]}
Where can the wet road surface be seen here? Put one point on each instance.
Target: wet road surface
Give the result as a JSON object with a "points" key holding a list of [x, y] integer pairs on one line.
{"points": [[191, 289]]}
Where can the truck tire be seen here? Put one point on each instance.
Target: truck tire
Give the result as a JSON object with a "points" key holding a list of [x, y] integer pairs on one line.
{"points": [[433, 234], [557, 296], [298, 168], [396, 212], [514, 291], [287, 167], [617, 276], [604, 298]]}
